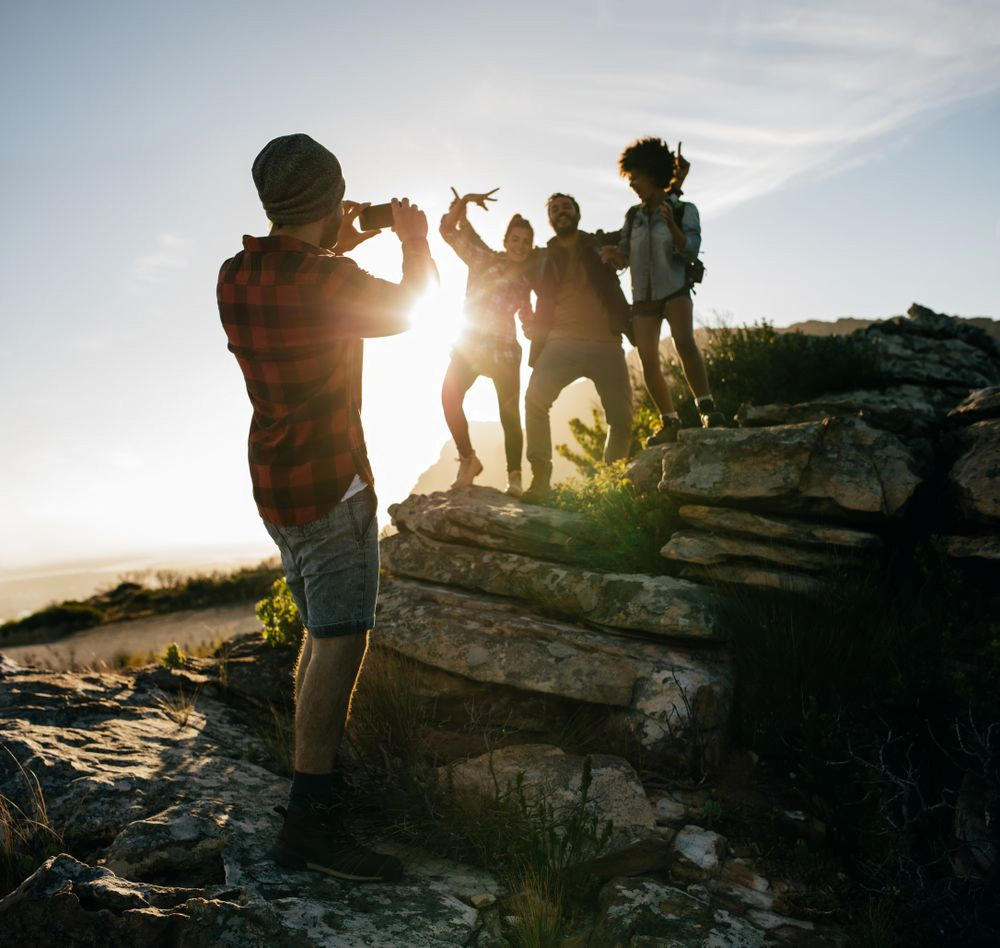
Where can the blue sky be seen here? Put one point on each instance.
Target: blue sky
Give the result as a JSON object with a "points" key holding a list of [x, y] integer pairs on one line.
{"points": [[844, 162]]}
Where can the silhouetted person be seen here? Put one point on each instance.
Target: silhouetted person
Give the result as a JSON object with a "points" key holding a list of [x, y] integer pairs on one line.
{"points": [[580, 316], [296, 313]]}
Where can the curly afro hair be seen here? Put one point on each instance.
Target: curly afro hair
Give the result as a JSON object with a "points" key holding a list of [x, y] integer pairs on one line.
{"points": [[650, 156]]}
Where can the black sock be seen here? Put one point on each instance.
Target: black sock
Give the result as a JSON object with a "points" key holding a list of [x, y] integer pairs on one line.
{"points": [[311, 789]]}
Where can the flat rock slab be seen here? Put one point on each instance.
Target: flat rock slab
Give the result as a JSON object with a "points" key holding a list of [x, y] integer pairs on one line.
{"points": [[706, 549], [655, 605], [486, 518], [758, 576], [785, 529], [165, 792], [548, 776], [981, 404], [840, 468], [906, 410], [497, 641], [985, 548], [975, 477]]}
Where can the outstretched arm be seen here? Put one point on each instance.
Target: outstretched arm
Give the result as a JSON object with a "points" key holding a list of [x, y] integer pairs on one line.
{"points": [[458, 232]]}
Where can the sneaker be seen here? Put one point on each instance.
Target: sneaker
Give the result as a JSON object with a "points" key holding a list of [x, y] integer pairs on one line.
{"points": [[468, 469], [714, 419], [667, 433], [711, 417], [314, 838], [514, 488]]}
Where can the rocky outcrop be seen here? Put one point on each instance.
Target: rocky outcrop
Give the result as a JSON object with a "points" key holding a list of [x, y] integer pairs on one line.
{"points": [[975, 478], [656, 605], [534, 672], [156, 789], [840, 469]]}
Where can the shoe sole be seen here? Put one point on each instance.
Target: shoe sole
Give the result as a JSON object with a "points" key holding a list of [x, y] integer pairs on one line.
{"points": [[287, 860]]}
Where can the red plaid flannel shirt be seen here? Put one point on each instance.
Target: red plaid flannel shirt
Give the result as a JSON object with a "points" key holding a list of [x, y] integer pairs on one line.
{"points": [[295, 316]]}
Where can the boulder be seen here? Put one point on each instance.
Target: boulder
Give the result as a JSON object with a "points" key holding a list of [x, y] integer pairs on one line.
{"points": [[975, 477], [655, 605], [660, 693], [553, 780], [488, 519], [979, 405], [839, 468]]}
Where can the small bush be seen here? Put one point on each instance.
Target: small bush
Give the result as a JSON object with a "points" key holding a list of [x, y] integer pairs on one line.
{"points": [[280, 617], [632, 525], [69, 616], [748, 363], [173, 657]]}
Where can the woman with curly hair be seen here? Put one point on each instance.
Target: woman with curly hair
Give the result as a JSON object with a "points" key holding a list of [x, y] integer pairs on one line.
{"points": [[661, 237], [497, 290]]}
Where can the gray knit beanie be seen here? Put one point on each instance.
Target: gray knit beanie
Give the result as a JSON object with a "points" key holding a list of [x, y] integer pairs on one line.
{"points": [[298, 180]]}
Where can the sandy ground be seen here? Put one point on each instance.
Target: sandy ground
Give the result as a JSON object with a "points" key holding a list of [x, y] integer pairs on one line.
{"points": [[139, 637]]}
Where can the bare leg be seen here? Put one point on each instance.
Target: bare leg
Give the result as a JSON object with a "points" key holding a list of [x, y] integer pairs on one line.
{"points": [[331, 673], [647, 341], [302, 663], [457, 381], [680, 316]]}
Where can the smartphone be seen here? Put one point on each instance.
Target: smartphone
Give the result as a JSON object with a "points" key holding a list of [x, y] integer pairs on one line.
{"points": [[376, 217]]}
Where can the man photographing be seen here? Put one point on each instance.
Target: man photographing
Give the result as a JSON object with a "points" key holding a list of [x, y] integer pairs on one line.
{"points": [[296, 313]]}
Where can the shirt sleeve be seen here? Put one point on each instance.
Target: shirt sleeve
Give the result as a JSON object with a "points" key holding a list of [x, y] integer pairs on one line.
{"points": [[361, 305], [691, 225], [469, 246]]}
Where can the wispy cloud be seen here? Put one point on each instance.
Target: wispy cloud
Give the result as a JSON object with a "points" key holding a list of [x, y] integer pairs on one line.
{"points": [[792, 89], [169, 257]]}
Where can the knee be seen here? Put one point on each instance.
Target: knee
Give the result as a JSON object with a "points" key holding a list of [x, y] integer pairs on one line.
{"points": [[686, 345], [536, 403]]}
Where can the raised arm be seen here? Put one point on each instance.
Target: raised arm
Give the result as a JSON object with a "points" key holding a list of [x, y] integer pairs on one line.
{"points": [[458, 233]]}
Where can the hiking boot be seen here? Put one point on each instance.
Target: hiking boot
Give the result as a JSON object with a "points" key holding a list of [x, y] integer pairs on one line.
{"points": [[314, 838], [667, 433], [711, 417], [714, 419], [468, 469], [541, 484], [514, 488]]}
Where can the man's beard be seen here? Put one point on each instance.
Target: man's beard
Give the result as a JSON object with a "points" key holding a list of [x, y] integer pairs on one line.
{"points": [[566, 230]]}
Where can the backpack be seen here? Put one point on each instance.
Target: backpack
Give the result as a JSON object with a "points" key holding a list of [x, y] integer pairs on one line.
{"points": [[694, 270]]}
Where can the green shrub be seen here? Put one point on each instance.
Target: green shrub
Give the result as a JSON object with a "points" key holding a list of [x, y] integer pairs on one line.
{"points": [[748, 363], [280, 617], [173, 657], [69, 616], [632, 525]]}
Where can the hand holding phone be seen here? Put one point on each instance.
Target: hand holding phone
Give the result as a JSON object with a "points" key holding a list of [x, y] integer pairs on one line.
{"points": [[376, 217]]}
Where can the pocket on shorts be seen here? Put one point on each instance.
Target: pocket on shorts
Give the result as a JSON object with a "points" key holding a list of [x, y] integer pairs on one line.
{"points": [[362, 507]]}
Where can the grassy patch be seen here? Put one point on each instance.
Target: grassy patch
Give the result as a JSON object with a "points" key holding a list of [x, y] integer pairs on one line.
{"points": [[27, 837], [634, 524]]}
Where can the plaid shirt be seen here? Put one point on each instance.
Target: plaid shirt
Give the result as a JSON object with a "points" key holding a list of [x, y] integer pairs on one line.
{"points": [[295, 316], [495, 292]]}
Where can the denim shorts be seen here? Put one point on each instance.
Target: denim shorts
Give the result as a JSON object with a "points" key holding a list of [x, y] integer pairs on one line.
{"points": [[331, 566]]}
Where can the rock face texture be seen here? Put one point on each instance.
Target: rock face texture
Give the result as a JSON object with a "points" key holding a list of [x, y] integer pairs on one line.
{"points": [[178, 825], [839, 468]]}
